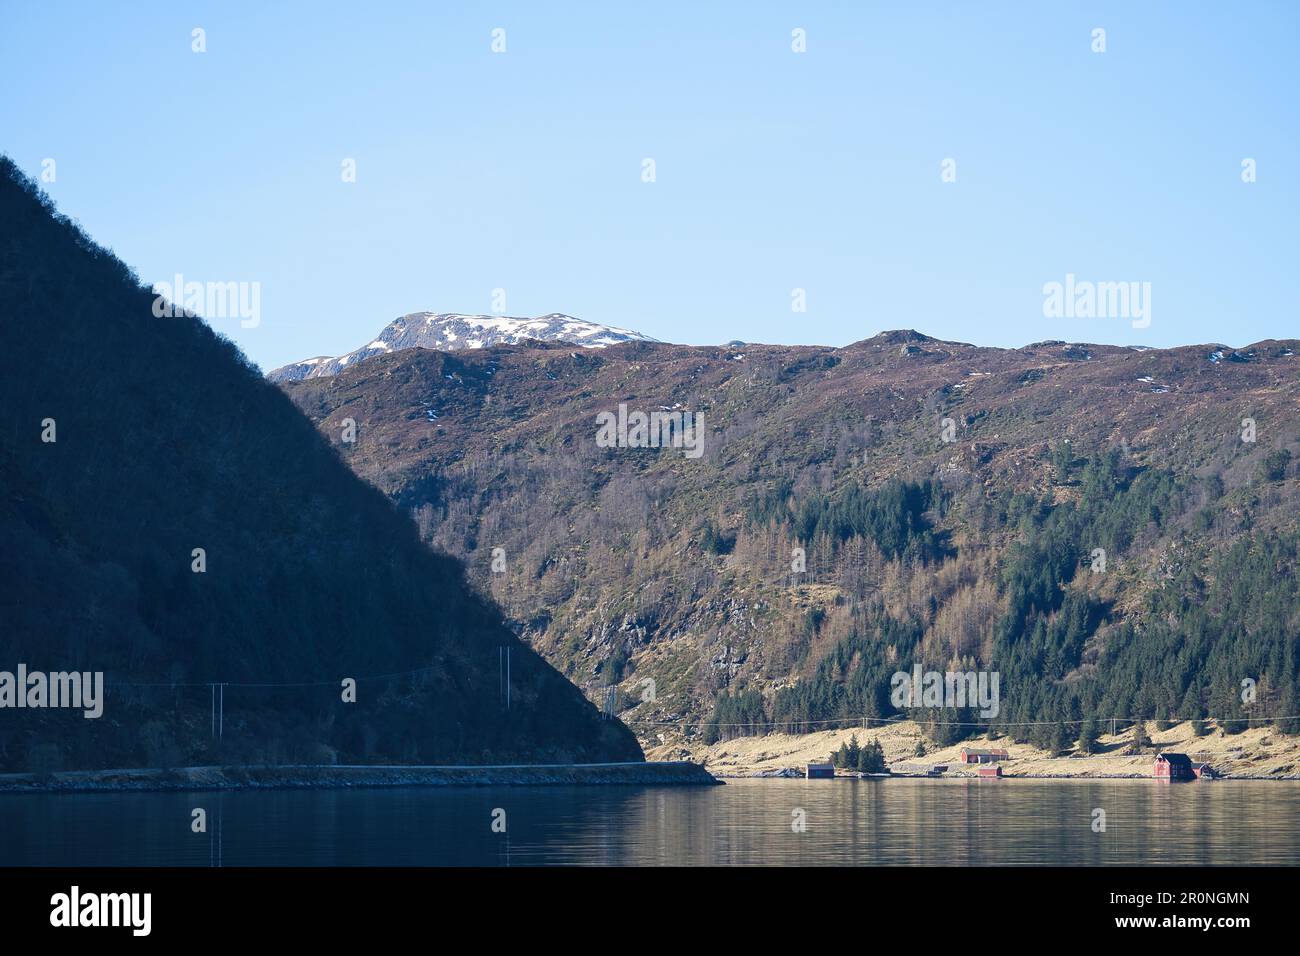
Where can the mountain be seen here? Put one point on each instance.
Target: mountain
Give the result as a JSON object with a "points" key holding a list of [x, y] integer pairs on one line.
{"points": [[450, 331], [172, 521], [1113, 530]]}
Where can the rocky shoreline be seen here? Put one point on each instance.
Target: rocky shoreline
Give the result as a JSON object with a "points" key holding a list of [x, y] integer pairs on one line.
{"points": [[649, 773]]}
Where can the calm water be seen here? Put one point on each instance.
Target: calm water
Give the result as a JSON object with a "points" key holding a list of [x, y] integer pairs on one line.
{"points": [[745, 822]]}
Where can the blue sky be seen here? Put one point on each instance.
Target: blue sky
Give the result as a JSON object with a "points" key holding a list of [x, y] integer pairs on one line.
{"points": [[775, 170]]}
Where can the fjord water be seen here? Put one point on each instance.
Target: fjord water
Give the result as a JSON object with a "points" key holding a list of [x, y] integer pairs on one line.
{"points": [[747, 822]]}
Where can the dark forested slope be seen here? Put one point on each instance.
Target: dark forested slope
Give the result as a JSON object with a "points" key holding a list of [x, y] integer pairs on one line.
{"points": [[167, 441]]}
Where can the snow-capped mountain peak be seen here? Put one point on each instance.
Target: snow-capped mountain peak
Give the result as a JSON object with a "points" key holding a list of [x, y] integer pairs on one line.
{"points": [[453, 330]]}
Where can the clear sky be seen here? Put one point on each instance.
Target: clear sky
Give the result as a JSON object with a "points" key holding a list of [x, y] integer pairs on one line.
{"points": [[774, 170]]}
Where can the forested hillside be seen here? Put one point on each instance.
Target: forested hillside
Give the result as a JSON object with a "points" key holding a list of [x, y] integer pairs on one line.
{"points": [[1113, 530], [128, 445]]}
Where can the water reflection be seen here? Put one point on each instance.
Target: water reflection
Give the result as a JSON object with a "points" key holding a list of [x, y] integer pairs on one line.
{"points": [[747, 822]]}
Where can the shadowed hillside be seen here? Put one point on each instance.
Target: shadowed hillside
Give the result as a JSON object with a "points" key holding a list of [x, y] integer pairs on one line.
{"points": [[167, 441]]}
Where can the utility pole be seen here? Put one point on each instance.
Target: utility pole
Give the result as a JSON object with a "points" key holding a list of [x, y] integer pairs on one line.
{"points": [[503, 674], [218, 709]]}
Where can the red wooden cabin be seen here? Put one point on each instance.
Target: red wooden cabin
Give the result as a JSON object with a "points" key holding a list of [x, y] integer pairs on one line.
{"points": [[1170, 766], [970, 755]]}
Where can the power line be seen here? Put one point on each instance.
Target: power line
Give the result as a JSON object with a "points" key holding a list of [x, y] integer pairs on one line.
{"points": [[856, 721], [227, 683], [829, 722]]}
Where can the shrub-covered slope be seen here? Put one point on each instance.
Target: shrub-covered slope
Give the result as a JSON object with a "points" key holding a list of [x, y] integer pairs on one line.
{"points": [[860, 510]]}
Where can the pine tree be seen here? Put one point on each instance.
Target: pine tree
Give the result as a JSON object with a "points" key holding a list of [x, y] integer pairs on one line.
{"points": [[1060, 739], [842, 757], [1088, 736], [1162, 718], [1062, 463], [871, 759], [1288, 721], [1141, 739], [1229, 710]]}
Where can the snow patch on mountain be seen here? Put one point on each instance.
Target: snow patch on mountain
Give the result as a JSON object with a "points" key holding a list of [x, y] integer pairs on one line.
{"points": [[448, 331]]}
